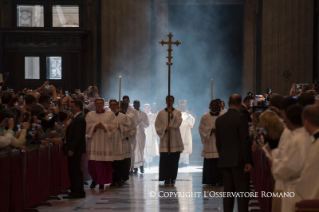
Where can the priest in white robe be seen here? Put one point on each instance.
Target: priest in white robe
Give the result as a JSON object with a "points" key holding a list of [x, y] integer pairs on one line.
{"points": [[131, 140], [120, 144], [289, 168], [99, 129], [307, 186], [211, 173], [132, 112], [185, 128], [168, 166], [140, 138], [277, 153], [151, 145]]}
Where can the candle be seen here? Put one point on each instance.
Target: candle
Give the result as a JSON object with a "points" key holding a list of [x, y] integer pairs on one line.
{"points": [[120, 91], [211, 89]]}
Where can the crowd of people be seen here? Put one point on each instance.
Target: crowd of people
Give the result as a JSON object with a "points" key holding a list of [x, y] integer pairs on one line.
{"points": [[283, 128], [120, 138]]}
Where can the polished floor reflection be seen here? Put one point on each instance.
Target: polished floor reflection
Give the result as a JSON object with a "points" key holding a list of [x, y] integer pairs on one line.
{"points": [[144, 193]]}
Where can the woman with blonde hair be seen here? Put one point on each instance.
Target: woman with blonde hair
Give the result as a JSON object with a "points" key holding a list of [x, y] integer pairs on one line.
{"points": [[273, 127]]}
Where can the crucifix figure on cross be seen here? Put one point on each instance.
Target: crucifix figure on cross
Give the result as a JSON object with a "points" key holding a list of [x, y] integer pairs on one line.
{"points": [[169, 63]]}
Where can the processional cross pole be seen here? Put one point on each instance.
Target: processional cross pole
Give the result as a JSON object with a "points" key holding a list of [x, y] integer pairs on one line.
{"points": [[169, 63]]}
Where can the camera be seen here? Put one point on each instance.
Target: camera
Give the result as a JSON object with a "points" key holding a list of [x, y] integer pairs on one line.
{"points": [[298, 87], [66, 93], [47, 87], [54, 104], [21, 95], [65, 107], [249, 93]]}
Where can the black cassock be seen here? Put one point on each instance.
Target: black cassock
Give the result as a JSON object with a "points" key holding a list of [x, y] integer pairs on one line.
{"points": [[211, 173], [168, 165]]}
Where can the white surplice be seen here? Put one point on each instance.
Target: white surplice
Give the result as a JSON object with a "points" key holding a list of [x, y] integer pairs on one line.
{"points": [[161, 122], [120, 136], [278, 153], [206, 124], [140, 139], [131, 142], [185, 128], [99, 145], [151, 145], [289, 167], [307, 186]]}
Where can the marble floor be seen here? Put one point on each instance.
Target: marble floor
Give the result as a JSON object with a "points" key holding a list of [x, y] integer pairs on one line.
{"points": [[143, 192]]}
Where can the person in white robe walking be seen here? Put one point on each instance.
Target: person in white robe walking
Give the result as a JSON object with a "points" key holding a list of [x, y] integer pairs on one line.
{"points": [[100, 125], [122, 133], [169, 158], [151, 145], [185, 128], [140, 138], [132, 112], [211, 173]]}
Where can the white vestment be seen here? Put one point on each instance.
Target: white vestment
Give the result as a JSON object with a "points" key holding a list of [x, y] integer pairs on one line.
{"points": [[140, 139], [100, 144], [289, 167], [161, 122], [151, 145], [278, 153], [131, 142], [120, 137], [185, 128], [206, 124], [307, 186]]}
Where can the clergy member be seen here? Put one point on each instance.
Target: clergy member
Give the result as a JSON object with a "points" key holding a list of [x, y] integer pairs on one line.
{"points": [[120, 145], [185, 128], [99, 129], [140, 138], [308, 185], [168, 166], [289, 168], [151, 145], [211, 173], [131, 140], [134, 114]]}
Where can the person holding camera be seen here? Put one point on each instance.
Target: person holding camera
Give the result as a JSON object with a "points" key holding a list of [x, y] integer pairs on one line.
{"points": [[18, 139], [5, 140], [246, 107]]}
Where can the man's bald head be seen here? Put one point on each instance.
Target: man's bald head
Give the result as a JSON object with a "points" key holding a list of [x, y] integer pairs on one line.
{"points": [[234, 101]]}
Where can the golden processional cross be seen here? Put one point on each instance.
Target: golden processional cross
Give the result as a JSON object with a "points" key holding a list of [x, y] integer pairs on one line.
{"points": [[169, 63]]}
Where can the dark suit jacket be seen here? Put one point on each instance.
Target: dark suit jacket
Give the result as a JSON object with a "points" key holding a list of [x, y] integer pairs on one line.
{"points": [[75, 136], [232, 140], [244, 111]]}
